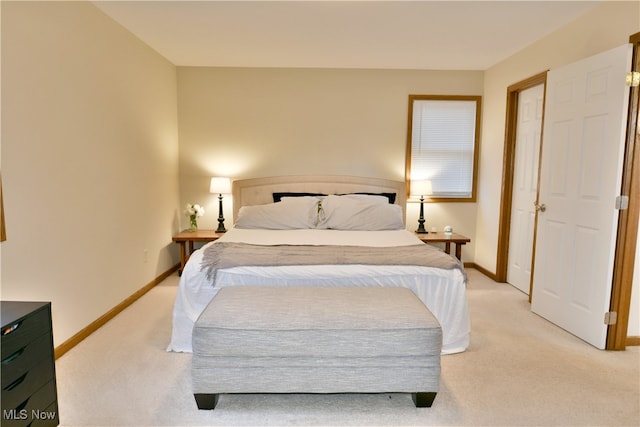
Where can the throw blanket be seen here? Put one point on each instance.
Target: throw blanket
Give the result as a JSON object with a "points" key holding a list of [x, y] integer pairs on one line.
{"points": [[222, 255]]}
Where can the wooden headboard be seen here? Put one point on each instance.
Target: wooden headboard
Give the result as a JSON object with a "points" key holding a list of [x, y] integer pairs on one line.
{"points": [[259, 191]]}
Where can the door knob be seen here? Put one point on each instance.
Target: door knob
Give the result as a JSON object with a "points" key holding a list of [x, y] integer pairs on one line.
{"points": [[540, 208]]}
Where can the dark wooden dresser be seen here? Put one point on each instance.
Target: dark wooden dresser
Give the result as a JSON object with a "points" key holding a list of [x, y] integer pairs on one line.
{"points": [[29, 396]]}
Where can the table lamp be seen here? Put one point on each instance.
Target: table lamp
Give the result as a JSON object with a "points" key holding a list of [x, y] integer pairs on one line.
{"points": [[421, 188], [220, 186]]}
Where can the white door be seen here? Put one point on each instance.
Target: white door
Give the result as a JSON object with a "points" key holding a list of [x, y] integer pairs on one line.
{"points": [[582, 151], [525, 186]]}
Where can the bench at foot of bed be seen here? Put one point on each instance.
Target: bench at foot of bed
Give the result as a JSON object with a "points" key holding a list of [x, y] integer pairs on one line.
{"points": [[423, 400], [316, 340], [209, 401], [206, 401]]}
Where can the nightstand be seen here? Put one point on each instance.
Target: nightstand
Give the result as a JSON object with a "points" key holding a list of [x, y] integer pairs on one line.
{"points": [[29, 395], [186, 238], [457, 239]]}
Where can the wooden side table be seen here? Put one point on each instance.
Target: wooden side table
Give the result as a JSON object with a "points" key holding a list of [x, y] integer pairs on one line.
{"points": [[457, 239], [186, 238]]}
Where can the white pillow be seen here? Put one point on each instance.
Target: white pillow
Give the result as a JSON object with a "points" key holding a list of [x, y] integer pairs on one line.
{"points": [[292, 213], [367, 198], [359, 213]]}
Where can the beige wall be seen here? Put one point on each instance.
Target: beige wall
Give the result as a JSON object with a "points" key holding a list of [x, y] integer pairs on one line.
{"points": [[89, 161], [605, 27], [90, 144], [247, 123]]}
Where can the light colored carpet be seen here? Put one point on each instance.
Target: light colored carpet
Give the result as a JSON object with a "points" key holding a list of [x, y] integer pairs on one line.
{"points": [[520, 370]]}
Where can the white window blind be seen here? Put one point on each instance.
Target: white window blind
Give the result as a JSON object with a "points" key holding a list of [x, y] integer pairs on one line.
{"points": [[443, 140]]}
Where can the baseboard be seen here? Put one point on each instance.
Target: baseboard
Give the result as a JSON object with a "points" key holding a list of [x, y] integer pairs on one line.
{"points": [[95, 325], [632, 341], [482, 270]]}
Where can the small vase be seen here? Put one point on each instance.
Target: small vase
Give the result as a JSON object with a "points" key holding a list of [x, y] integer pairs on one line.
{"points": [[193, 223]]}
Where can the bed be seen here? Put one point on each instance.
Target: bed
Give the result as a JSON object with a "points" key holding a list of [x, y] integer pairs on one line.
{"points": [[323, 222]]}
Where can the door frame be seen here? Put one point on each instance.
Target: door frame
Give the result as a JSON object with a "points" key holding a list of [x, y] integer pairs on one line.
{"points": [[508, 172], [627, 237], [625, 251]]}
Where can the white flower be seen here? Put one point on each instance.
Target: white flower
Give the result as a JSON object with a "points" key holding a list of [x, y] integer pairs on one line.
{"points": [[194, 209]]}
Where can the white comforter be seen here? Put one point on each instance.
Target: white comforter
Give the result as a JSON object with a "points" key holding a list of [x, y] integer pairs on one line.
{"points": [[442, 291]]}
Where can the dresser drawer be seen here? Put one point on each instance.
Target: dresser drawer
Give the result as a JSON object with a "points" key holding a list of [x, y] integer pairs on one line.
{"points": [[20, 361], [29, 412], [27, 367], [19, 333], [16, 392]]}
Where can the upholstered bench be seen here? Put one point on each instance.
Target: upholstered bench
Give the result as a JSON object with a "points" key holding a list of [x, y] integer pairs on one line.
{"points": [[254, 339]]}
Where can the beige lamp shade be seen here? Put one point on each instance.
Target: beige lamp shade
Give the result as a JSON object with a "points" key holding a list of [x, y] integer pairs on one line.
{"points": [[421, 188], [220, 185]]}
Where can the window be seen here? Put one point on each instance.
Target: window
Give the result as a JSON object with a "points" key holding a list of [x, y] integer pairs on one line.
{"points": [[442, 145]]}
